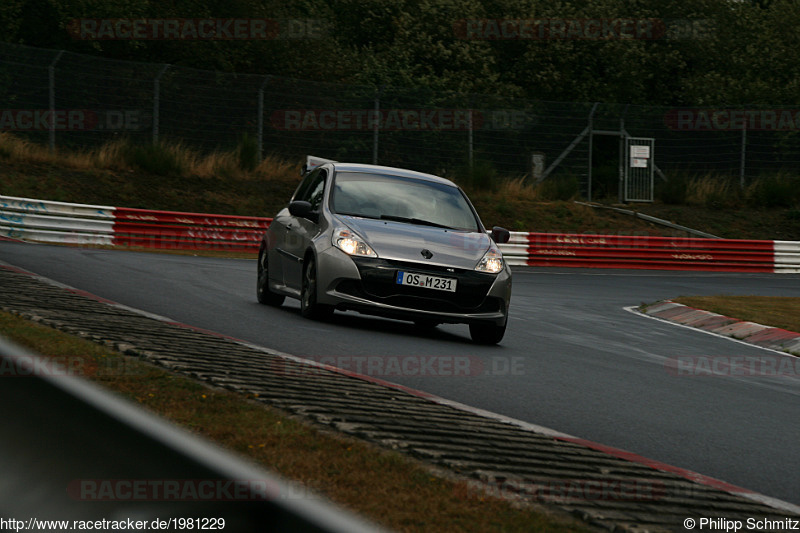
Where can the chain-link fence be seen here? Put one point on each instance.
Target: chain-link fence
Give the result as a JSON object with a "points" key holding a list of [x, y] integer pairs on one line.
{"points": [[72, 100]]}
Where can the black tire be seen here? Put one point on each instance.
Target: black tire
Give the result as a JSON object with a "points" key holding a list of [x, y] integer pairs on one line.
{"points": [[264, 295], [309, 307], [486, 333]]}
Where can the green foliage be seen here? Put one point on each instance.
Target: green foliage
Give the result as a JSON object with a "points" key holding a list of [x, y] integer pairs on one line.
{"points": [[247, 153], [159, 159], [480, 176], [775, 191], [793, 214], [673, 191], [717, 200], [559, 189], [699, 52], [503, 208], [725, 192]]}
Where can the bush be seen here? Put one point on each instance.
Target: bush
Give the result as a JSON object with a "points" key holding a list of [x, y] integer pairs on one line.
{"points": [[713, 191], [774, 191], [793, 214], [160, 159], [673, 191], [248, 153], [559, 189], [482, 176]]}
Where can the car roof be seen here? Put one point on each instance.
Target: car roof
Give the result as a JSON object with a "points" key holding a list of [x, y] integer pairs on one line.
{"points": [[390, 171]]}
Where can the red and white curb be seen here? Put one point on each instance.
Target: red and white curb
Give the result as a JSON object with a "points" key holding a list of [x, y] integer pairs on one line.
{"points": [[534, 428], [777, 339]]}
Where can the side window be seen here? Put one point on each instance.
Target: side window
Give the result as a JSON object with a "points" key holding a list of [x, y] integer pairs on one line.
{"points": [[315, 189], [300, 193]]}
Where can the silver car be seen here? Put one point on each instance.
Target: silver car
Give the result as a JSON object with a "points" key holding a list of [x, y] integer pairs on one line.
{"points": [[389, 242]]}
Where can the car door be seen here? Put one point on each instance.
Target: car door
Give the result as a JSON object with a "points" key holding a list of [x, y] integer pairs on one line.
{"points": [[300, 231]]}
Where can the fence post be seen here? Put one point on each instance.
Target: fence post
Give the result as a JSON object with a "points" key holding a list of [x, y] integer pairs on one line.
{"points": [[591, 151], [744, 150], [376, 125], [577, 140], [261, 119], [51, 82], [156, 101], [623, 134]]}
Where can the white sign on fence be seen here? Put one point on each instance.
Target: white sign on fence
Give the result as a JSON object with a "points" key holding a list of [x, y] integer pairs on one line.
{"points": [[640, 151]]}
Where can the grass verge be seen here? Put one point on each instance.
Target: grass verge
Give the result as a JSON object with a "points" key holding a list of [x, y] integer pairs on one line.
{"points": [[384, 486], [174, 177], [776, 311]]}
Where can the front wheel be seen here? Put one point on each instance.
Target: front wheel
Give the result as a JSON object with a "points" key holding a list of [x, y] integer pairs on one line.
{"points": [[486, 333], [266, 296], [309, 307]]}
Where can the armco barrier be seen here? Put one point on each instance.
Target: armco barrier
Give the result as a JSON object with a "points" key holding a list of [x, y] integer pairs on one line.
{"points": [[787, 256], [657, 253], [56, 222], [59, 222], [187, 231]]}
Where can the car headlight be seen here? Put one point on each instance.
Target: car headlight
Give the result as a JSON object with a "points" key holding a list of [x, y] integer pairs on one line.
{"points": [[492, 262], [350, 243]]}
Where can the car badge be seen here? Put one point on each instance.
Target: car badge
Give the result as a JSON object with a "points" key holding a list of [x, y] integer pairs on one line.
{"points": [[426, 253]]}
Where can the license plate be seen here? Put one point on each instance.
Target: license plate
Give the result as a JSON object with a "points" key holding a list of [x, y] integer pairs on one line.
{"points": [[426, 282]]}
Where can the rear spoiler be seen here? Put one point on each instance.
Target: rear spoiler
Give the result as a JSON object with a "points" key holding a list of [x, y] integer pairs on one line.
{"points": [[313, 162]]}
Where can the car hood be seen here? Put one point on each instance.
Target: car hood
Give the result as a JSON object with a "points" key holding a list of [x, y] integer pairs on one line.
{"points": [[405, 242]]}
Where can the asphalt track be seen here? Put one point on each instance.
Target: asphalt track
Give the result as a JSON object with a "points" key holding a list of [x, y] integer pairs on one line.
{"points": [[573, 358]]}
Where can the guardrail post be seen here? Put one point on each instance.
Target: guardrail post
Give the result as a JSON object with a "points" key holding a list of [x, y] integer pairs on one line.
{"points": [[51, 89], [157, 101]]}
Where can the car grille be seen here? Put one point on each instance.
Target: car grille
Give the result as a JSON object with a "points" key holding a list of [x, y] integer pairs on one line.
{"points": [[378, 284]]}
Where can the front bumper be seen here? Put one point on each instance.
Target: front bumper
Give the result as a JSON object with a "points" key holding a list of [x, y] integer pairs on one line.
{"points": [[368, 285]]}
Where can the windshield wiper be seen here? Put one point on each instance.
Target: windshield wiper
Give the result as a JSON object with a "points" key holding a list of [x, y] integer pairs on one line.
{"points": [[418, 221]]}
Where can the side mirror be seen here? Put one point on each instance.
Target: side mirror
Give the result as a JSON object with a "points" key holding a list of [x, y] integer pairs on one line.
{"points": [[500, 235], [303, 209]]}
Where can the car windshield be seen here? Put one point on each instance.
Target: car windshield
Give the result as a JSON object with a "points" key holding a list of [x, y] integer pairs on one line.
{"points": [[402, 199]]}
